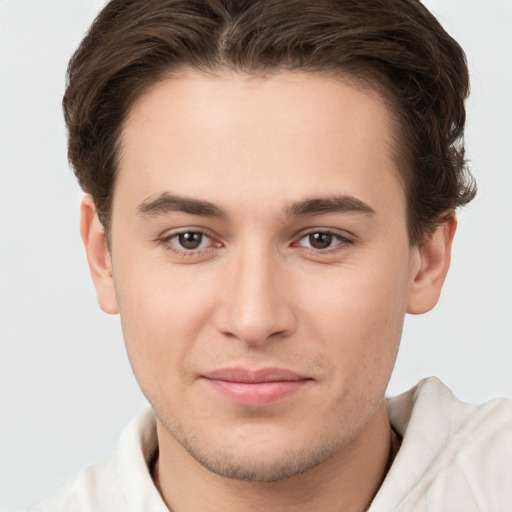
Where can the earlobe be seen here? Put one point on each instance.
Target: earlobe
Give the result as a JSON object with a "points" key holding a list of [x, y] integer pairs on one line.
{"points": [[98, 256], [432, 264]]}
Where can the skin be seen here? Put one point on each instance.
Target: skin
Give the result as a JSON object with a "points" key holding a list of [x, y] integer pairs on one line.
{"points": [[260, 291]]}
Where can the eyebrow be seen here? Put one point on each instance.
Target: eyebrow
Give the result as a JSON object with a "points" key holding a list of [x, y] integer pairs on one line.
{"points": [[330, 204], [167, 203]]}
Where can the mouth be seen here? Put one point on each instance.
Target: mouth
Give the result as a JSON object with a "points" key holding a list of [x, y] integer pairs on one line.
{"points": [[255, 388]]}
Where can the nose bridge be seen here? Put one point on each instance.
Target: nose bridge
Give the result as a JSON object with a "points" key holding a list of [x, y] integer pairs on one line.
{"points": [[256, 306]]}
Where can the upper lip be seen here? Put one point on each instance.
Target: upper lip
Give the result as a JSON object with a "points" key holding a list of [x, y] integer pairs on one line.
{"points": [[245, 375]]}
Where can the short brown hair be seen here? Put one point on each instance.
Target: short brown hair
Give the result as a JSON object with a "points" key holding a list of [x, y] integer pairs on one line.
{"points": [[394, 46]]}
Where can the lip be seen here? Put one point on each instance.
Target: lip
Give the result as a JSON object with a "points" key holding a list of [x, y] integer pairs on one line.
{"points": [[255, 388]]}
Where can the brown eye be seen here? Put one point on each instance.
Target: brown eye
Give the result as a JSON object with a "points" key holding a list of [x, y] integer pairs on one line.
{"points": [[190, 240], [320, 240]]}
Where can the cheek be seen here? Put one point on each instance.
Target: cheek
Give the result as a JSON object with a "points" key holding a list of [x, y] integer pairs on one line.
{"points": [[358, 313], [162, 313]]}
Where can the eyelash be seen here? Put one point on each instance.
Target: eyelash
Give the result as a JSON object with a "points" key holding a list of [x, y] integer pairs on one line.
{"points": [[173, 247], [342, 243]]}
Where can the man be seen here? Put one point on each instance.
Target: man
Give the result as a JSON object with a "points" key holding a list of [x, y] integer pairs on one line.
{"points": [[271, 186]]}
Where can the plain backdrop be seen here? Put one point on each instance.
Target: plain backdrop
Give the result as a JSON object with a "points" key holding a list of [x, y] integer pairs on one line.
{"points": [[66, 389]]}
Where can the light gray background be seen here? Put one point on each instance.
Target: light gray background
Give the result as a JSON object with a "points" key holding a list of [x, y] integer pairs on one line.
{"points": [[66, 389]]}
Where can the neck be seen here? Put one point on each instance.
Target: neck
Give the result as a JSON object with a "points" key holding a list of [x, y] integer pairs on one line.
{"points": [[347, 481]]}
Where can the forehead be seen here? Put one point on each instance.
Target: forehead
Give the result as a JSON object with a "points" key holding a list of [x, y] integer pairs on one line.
{"points": [[240, 135]]}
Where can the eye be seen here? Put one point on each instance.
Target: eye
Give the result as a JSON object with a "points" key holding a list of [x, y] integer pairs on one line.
{"points": [[188, 240], [322, 240]]}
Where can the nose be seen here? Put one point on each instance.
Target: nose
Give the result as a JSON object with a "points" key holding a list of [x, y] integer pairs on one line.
{"points": [[256, 304]]}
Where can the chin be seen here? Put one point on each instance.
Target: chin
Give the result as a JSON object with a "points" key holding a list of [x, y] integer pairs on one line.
{"points": [[261, 461]]}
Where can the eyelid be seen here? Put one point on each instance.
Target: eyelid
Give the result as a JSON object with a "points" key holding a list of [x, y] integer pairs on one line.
{"points": [[344, 239], [166, 238], [169, 233]]}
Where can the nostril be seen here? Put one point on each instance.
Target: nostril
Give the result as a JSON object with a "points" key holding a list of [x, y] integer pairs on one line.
{"points": [[257, 327]]}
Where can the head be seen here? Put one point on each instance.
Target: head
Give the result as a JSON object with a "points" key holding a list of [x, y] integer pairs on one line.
{"points": [[271, 185]]}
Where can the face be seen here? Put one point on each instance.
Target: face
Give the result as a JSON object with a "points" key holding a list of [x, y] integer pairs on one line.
{"points": [[261, 265]]}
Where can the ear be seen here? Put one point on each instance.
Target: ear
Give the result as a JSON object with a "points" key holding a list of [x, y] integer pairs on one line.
{"points": [[98, 256], [431, 266]]}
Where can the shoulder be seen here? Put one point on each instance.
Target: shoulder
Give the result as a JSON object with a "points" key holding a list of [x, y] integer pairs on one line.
{"points": [[120, 483], [95, 489], [430, 407], [454, 455]]}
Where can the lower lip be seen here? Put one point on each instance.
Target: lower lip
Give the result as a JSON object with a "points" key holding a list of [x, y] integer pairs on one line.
{"points": [[256, 394]]}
